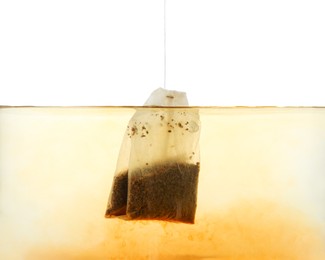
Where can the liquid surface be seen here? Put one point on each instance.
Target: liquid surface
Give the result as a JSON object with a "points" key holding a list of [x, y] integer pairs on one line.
{"points": [[261, 192]]}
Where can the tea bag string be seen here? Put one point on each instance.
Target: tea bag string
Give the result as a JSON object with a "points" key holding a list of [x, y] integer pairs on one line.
{"points": [[165, 47]]}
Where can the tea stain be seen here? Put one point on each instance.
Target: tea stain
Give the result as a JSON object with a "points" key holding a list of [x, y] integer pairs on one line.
{"points": [[247, 230]]}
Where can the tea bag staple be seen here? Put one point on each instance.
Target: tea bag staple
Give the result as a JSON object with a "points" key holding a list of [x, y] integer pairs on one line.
{"points": [[158, 167]]}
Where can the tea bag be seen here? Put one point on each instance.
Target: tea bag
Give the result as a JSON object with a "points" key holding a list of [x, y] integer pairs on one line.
{"points": [[160, 160]]}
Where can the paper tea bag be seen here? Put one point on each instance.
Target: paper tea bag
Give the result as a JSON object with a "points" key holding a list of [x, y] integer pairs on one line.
{"points": [[158, 167]]}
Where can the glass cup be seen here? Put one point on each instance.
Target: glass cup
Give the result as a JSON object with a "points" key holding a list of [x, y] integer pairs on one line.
{"points": [[261, 192]]}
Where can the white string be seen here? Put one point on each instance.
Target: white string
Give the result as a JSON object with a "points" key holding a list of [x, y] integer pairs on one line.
{"points": [[165, 47]]}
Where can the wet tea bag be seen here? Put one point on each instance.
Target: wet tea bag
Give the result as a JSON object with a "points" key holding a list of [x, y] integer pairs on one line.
{"points": [[157, 171], [164, 162]]}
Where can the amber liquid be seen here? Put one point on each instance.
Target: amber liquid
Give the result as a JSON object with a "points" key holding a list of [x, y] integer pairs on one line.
{"points": [[261, 191]]}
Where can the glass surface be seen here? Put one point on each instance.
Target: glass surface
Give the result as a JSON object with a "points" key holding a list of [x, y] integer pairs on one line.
{"points": [[261, 191]]}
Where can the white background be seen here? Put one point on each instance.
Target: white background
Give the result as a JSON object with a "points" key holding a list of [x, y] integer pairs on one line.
{"points": [[69, 52]]}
